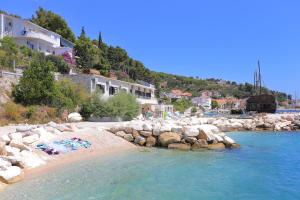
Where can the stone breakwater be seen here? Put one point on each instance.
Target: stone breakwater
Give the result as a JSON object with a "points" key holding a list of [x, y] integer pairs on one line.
{"points": [[175, 136], [17, 149], [262, 122]]}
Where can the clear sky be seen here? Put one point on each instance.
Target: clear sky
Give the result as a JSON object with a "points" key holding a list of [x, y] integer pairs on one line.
{"points": [[209, 39]]}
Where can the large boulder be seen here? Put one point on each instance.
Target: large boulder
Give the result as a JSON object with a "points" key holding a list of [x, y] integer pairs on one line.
{"points": [[167, 138], [165, 128], [199, 145], [146, 133], [150, 141], [128, 137], [136, 126], [4, 164], [11, 175], [177, 129], [44, 135], [218, 146], [5, 138], [190, 140], [180, 146], [135, 133], [19, 145], [12, 151], [31, 139], [228, 140], [191, 131], [30, 160], [120, 133], [16, 136], [140, 140], [23, 128], [147, 127], [156, 129], [74, 117]]}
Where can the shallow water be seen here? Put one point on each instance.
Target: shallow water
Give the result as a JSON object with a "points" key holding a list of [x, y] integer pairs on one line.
{"points": [[266, 167]]}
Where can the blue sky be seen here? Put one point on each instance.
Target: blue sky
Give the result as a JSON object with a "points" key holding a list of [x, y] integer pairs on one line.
{"points": [[212, 38]]}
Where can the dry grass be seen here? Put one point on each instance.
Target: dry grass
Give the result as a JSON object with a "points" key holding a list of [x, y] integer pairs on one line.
{"points": [[12, 113]]}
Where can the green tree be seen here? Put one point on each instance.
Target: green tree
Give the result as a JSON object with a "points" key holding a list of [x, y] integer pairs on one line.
{"points": [[37, 84], [59, 63], [8, 52], [53, 22], [87, 54]]}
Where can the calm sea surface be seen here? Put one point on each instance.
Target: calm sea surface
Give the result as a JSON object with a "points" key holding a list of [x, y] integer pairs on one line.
{"points": [[266, 167]]}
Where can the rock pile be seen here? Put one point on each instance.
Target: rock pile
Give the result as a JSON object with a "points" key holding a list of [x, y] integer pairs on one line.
{"points": [[16, 149], [175, 136]]}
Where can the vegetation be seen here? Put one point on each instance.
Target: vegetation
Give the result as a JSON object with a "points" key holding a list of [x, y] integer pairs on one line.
{"points": [[53, 22], [121, 105], [181, 105], [214, 104]]}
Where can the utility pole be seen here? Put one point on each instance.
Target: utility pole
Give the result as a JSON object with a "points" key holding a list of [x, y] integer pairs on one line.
{"points": [[259, 78]]}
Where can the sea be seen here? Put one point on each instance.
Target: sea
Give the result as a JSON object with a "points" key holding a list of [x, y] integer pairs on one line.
{"points": [[266, 167]]}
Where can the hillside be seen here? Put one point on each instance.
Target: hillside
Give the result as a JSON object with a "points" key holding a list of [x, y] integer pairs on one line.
{"points": [[115, 61]]}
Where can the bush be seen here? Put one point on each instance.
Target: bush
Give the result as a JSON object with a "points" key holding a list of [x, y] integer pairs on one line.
{"points": [[194, 109], [36, 87], [69, 95], [181, 105], [121, 105], [59, 64]]}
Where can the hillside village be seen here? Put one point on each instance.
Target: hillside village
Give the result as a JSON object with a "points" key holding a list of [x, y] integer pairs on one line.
{"points": [[100, 68]]}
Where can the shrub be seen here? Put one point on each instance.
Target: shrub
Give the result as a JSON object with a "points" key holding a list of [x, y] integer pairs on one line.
{"points": [[59, 64], [121, 105], [181, 105], [194, 109], [69, 95], [41, 114], [37, 84]]}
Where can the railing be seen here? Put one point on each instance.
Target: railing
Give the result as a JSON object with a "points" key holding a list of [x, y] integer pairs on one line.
{"points": [[38, 35]]}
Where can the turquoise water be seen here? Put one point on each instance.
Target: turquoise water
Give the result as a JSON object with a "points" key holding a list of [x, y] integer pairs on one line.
{"points": [[266, 167]]}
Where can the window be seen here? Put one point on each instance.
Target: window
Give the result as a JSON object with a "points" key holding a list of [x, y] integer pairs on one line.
{"points": [[112, 90], [101, 88]]}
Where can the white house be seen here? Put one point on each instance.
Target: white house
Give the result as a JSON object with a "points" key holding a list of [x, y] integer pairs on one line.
{"points": [[33, 36], [204, 102], [145, 94]]}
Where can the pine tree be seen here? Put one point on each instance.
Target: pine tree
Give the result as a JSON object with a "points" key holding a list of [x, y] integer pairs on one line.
{"points": [[100, 40]]}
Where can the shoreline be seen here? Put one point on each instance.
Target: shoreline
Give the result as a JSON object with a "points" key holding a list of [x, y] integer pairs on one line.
{"points": [[109, 138]]}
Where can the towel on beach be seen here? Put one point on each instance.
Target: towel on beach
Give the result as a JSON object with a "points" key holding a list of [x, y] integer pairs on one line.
{"points": [[63, 146]]}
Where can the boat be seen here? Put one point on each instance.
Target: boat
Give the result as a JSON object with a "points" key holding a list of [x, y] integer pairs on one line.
{"points": [[259, 102]]}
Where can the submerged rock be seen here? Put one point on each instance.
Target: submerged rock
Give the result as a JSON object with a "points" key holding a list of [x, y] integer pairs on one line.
{"points": [[218, 146], [180, 146]]}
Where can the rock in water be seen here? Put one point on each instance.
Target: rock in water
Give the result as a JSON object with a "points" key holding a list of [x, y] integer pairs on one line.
{"points": [[146, 133], [180, 146], [191, 131], [140, 140], [120, 133], [150, 141], [74, 117], [201, 144], [128, 137], [167, 138], [218, 146], [11, 175]]}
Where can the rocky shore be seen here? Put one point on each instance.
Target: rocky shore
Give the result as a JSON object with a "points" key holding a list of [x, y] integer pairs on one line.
{"points": [[18, 143]]}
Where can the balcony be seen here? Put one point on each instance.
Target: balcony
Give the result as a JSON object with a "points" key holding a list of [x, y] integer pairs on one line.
{"points": [[39, 35]]}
